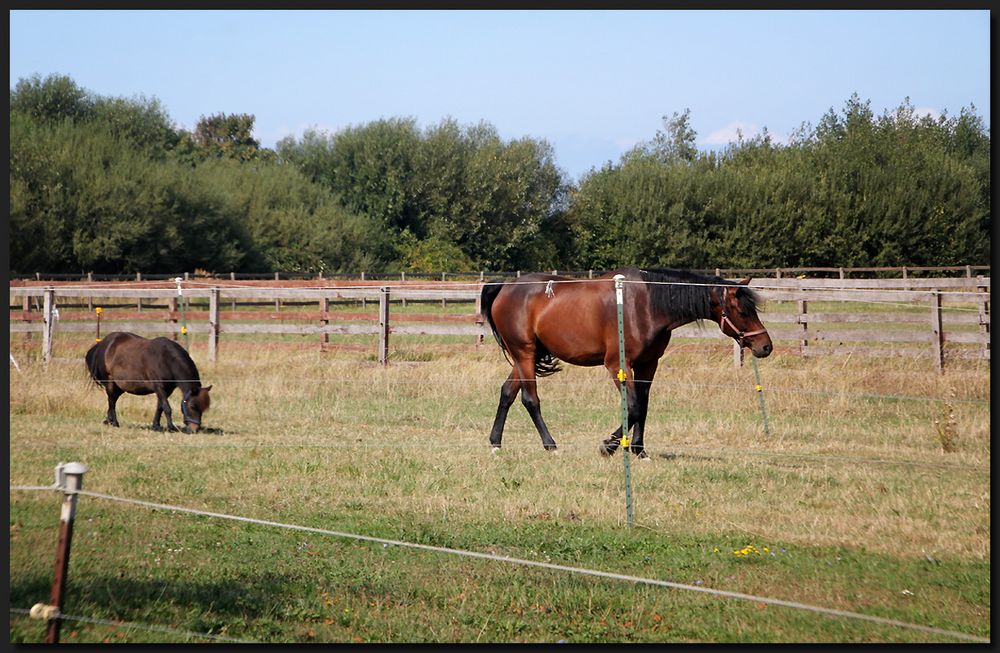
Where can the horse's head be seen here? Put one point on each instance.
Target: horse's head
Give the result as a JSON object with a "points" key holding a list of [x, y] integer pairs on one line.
{"points": [[193, 406], [735, 310]]}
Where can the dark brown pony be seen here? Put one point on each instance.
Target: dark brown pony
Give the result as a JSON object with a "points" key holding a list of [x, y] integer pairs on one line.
{"points": [[542, 319], [124, 362]]}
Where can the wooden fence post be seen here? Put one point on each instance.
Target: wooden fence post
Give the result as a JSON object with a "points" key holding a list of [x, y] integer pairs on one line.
{"points": [[172, 315], [383, 325], [737, 354], [213, 325], [984, 315], [479, 311], [90, 300], [48, 323], [803, 326], [937, 334], [277, 302], [69, 478], [232, 277], [324, 319], [138, 300]]}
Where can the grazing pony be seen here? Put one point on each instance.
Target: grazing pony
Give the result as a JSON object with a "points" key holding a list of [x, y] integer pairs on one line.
{"points": [[124, 362], [542, 319]]}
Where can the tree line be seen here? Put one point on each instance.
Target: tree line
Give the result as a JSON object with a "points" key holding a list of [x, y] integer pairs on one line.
{"points": [[112, 185]]}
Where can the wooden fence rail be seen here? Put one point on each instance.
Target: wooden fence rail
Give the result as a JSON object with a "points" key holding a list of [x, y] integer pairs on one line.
{"points": [[843, 272], [815, 333]]}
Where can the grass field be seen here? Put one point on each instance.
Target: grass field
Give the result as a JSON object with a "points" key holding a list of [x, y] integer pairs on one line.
{"points": [[871, 494]]}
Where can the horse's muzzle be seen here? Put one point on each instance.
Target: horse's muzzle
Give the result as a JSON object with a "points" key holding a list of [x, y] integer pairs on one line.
{"points": [[760, 346]]}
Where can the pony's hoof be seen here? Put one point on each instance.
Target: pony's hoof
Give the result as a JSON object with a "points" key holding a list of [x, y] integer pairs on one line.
{"points": [[643, 456], [606, 451], [494, 450], [553, 451]]}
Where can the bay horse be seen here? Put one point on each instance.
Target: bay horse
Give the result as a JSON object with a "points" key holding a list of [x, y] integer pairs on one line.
{"points": [[125, 362], [542, 319]]}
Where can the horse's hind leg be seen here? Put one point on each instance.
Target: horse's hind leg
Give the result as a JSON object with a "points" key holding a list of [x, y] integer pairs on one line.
{"points": [[113, 393], [529, 397], [508, 393]]}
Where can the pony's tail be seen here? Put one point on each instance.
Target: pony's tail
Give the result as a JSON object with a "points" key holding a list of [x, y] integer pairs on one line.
{"points": [[94, 366], [489, 294], [545, 363]]}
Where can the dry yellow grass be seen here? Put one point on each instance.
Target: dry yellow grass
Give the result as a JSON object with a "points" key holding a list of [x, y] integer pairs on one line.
{"points": [[853, 459]]}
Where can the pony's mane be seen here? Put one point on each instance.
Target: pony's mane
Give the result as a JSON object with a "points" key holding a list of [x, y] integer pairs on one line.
{"points": [[687, 295]]}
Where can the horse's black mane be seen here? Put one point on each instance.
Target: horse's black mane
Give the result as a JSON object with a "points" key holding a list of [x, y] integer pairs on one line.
{"points": [[687, 295]]}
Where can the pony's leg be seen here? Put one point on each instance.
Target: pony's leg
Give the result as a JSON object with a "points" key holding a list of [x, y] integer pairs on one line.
{"points": [[529, 397], [163, 406], [644, 373], [113, 393], [508, 393]]}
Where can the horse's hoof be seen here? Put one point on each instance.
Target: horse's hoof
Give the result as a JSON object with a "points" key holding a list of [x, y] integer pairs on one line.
{"points": [[553, 451], [642, 455], [605, 451], [495, 450]]}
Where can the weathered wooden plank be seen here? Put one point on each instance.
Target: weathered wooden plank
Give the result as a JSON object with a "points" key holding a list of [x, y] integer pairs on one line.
{"points": [[296, 329], [964, 336], [880, 335], [440, 330], [882, 284], [824, 295], [908, 352]]}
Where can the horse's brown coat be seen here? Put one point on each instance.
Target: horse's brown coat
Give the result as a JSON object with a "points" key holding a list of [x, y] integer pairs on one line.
{"points": [[541, 319], [127, 363]]}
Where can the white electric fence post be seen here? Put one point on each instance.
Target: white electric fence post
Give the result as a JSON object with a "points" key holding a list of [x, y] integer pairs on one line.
{"points": [[622, 376]]}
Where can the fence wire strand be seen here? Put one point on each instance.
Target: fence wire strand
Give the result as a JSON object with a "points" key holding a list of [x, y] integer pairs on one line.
{"points": [[833, 612]]}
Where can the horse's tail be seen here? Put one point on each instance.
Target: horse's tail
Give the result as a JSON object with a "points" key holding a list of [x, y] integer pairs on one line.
{"points": [[486, 298], [95, 363], [545, 363]]}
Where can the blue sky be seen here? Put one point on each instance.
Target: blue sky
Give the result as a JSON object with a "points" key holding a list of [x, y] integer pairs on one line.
{"points": [[592, 83]]}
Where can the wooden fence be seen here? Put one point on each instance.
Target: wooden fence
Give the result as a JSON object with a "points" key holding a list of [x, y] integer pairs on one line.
{"points": [[903, 272], [954, 320]]}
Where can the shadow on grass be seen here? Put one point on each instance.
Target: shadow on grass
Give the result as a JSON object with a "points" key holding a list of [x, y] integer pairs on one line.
{"points": [[205, 430], [200, 604]]}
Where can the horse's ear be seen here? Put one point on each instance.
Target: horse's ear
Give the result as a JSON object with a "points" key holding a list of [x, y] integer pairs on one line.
{"points": [[745, 281], [207, 388]]}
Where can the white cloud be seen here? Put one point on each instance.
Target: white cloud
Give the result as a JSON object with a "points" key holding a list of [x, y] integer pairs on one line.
{"points": [[730, 133], [920, 112]]}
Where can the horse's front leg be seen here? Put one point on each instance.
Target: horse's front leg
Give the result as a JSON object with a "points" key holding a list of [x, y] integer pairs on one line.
{"points": [[644, 374], [163, 407], [635, 409], [508, 393]]}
